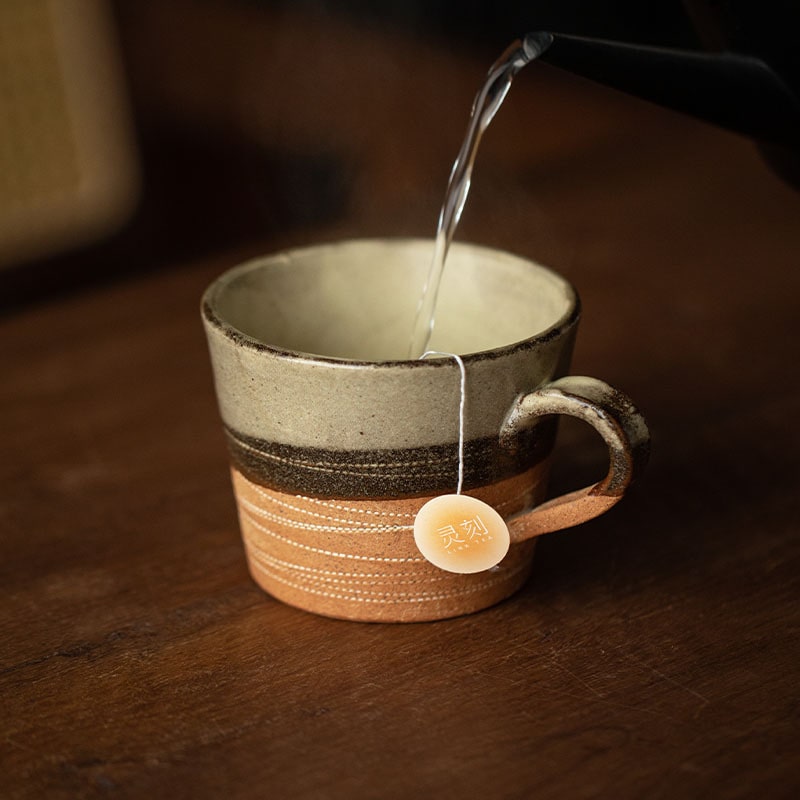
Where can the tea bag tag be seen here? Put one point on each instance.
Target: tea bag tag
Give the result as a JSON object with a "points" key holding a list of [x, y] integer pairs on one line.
{"points": [[456, 532], [459, 533]]}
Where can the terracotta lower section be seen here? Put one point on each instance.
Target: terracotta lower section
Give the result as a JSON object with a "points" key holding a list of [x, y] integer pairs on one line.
{"points": [[357, 560]]}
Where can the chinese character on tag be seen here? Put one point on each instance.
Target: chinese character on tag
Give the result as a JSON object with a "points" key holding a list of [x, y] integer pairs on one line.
{"points": [[475, 528], [449, 536]]}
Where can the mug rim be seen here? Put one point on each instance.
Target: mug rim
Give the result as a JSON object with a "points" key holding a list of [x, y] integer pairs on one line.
{"points": [[567, 320]]}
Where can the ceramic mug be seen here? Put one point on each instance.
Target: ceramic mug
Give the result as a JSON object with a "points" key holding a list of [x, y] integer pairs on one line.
{"points": [[337, 439]]}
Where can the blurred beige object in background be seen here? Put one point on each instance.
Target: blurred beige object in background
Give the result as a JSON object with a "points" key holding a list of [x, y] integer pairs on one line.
{"points": [[68, 166]]}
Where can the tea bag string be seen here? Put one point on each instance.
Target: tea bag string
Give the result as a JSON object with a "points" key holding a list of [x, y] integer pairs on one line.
{"points": [[461, 407]]}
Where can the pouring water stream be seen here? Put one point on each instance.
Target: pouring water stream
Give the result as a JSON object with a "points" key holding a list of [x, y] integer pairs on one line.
{"points": [[485, 106]]}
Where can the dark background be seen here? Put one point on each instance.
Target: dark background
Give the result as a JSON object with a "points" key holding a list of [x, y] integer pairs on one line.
{"points": [[209, 183]]}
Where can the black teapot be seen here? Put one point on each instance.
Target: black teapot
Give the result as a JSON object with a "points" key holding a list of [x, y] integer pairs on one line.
{"points": [[746, 78]]}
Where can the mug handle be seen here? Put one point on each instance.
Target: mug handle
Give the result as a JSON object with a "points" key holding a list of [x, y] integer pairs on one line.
{"points": [[614, 417]]}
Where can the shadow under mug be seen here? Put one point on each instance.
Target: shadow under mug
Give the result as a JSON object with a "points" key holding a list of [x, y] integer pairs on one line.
{"points": [[337, 439]]}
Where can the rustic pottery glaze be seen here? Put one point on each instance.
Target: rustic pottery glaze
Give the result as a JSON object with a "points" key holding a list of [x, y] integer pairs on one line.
{"points": [[336, 440]]}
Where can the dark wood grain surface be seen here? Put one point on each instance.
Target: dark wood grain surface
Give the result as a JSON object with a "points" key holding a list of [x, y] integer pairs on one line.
{"points": [[654, 652]]}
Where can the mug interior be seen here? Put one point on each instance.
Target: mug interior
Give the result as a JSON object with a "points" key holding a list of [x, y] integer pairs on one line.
{"points": [[357, 300]]}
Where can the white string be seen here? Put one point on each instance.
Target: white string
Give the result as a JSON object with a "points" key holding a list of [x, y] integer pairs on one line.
{"points": [[461, 406]]}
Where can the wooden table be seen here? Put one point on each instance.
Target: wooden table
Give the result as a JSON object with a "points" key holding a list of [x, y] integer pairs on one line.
{"points": [[654, 652]]}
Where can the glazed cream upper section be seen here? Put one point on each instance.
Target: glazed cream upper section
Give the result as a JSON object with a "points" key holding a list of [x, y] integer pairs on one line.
{"points": [[358, 301]]}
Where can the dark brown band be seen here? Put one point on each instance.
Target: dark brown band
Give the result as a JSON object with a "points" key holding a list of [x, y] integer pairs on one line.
{"points": [[377, 474]]}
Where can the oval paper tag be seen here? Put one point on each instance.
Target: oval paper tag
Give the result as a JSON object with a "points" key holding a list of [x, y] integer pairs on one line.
{"points": [[458, 533]]}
